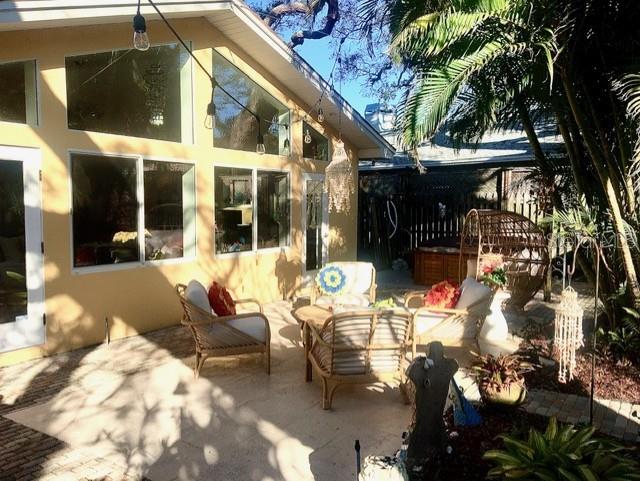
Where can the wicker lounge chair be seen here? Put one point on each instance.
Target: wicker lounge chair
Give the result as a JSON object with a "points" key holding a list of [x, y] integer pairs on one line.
{"points": [[360, 288], [360, 347], [223, 335], [461, 323]]}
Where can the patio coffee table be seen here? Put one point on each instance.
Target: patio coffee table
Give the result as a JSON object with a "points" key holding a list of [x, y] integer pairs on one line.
{"points": [[310, 315]]}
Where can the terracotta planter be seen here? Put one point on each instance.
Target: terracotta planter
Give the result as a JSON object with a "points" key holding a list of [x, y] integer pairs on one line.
{"points": [[511, 395]]}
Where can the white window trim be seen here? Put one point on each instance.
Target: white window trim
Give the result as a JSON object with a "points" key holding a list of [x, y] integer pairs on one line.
{"points": [[38, 86], [191, 141], [142, 262], [254, 228]]}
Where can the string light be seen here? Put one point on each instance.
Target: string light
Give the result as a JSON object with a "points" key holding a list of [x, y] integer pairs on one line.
{"points": [[140, 37], [320, 115], [307, 136]]}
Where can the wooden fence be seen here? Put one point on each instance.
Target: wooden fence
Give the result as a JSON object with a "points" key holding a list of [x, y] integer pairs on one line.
{"points": [[392, 226]]}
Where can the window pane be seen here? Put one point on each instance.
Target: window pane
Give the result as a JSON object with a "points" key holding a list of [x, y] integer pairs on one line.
{"points": [[127, 92], [13, 284], [18, 92], [314, 225], [234, 209], [235, 128], [318, 147], [105, 210], [169, 210], [273, 209]]}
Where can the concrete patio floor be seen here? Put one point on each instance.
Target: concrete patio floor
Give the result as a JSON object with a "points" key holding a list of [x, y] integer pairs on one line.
{"points": [[136, 406], [132, 410]]}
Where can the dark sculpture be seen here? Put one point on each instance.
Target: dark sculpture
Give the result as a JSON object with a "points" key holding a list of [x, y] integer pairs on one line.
{"points": [[431, 377]]}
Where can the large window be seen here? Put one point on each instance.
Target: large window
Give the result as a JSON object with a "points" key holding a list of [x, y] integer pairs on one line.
{"points": [[169, 210], [240, 219], [234, 209], [18, 102], [273, 209], [106, 210], [314, 146], [237, 129], [127, 92]]}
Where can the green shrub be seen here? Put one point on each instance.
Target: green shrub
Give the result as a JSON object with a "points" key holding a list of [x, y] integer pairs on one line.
{"points": [[562, 453], [623, 343]]}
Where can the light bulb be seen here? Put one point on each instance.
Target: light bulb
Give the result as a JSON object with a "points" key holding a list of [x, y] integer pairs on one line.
{"points": [[286, 149], [307, 136], [260, 149], [210, 119], [320, 115], [140, 37]]}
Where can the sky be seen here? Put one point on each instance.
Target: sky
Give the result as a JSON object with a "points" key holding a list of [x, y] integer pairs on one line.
{"points": [[320, 55]]}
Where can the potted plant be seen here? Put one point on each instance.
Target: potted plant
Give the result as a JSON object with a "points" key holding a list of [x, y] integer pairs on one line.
{"points": [[500, 379]]}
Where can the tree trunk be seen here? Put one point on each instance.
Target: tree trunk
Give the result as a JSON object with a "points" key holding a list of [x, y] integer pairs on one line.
{"points": [[610, 192]]}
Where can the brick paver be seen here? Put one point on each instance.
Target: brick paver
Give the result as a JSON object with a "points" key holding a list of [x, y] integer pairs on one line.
{"points": [[615, 418]]}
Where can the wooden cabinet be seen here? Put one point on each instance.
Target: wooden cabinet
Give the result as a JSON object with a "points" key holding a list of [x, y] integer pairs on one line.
{"points": [[433, 264]]}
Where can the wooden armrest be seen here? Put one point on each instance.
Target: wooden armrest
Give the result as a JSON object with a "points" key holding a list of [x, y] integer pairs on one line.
{"points": [[315, 334], [443, 310], [249, 301], [409, 296]]}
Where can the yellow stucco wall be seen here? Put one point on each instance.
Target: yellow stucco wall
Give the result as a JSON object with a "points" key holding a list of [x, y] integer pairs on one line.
{"points": [[142, 298]]}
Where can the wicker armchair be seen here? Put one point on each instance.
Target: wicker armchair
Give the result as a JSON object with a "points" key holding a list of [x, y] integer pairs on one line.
{"points": [[224, 335], [360, 289], [461, 323], [360, 347]]}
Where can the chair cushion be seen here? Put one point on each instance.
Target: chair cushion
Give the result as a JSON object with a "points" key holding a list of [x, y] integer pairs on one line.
{"points": [[331, 280], [359, 276], [221, 301], [196, 294], [253, 326], [425, 321], [472, 292], [357, 300]]}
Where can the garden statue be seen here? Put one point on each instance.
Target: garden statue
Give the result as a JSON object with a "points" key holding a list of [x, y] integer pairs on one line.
{"points": [[431, 376]]}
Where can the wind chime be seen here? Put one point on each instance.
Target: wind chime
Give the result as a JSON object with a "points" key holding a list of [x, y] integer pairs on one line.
{"points": [[568, 336], [155, 78], [339, 178]]}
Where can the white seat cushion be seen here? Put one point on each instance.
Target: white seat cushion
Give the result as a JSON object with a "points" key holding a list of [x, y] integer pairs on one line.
{"points": [[196, 294], [253, 326], [472, 292], [425, 321], [358, 300]]}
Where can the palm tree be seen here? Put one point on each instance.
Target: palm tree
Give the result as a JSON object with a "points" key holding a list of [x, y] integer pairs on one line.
{"points": [[490, 64]]}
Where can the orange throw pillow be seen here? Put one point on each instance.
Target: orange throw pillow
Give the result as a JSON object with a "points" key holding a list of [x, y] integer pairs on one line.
{"points": [[444, 294], [221, 301]]}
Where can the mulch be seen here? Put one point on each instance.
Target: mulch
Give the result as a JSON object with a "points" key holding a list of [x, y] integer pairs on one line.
{"points": [[470, 443], [612, 380]]}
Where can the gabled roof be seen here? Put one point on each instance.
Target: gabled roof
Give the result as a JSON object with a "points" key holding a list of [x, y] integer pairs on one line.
{"points": [[237, 21]]}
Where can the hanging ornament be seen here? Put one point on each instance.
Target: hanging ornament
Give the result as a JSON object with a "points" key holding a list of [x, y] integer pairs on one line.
{"points": [[155, 79], [339, 182], [307, 136], [568, 337], [274, 127], [320, 115]]}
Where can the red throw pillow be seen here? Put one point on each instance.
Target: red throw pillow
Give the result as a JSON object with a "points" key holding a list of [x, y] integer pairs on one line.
{"points": [[221, 301], [442, 295]]}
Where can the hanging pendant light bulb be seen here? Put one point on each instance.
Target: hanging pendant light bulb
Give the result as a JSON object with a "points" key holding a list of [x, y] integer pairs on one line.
{"points": [[210, 119], [286, 148], [260, 148], [307, 136], [140, 37], [320, 115]]}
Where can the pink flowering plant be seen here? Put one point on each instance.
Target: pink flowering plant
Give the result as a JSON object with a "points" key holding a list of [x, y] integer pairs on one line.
{"points": [[493, 273]]}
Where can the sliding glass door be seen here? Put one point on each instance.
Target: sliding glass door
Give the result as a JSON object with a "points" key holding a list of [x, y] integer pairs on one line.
{"points": [[21, 270]]}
